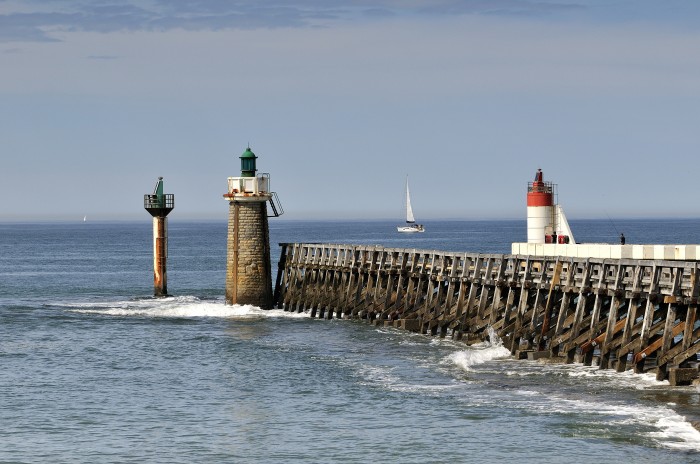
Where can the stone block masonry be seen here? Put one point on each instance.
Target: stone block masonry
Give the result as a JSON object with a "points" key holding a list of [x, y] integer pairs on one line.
{"points": [[248, 272]]}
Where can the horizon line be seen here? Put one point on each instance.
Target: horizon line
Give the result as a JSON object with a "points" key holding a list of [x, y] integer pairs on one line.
{"points": [[190, 219]]}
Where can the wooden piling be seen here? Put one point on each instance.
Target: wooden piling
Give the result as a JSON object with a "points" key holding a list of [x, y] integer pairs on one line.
{"points": [[605, 308]]}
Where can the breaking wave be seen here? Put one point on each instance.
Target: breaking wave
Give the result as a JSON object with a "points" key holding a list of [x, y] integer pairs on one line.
{"points": [[480, 353], [176, 307]]}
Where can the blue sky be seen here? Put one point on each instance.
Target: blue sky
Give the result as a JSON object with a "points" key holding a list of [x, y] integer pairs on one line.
{"points": [[342, 100]]}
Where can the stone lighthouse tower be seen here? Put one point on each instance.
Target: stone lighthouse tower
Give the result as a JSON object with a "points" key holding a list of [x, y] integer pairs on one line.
{"points": [[248, 270]]}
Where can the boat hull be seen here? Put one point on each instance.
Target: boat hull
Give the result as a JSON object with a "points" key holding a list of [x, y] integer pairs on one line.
{"points": [[410, 229]]}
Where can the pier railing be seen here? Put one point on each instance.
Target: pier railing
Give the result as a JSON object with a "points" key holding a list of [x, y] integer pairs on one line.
{"points": [[620, 313]]}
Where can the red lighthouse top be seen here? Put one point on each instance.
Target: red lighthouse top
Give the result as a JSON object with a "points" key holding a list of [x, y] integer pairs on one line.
{"points": [[538, 176], [539, 192]]}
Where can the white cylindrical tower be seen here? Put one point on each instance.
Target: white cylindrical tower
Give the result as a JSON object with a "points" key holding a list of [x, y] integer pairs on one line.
{"points": [[540, 211]]}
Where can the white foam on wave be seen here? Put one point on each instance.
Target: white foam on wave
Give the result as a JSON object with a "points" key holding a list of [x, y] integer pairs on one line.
{"points": [[480, 353], [676, 433], [515, 373], [467, 359], [384, 377], [176, 307], [627, 379], [527, 393], [670, 429]]}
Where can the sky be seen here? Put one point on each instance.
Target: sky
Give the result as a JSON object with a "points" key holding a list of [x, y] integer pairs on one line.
{"points": [[341, 100]]}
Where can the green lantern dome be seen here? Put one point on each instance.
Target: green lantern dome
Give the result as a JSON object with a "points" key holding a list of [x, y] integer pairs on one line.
{"points": [[248, 163]]}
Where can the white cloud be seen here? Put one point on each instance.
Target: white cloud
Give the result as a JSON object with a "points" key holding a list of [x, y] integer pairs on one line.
{"points": [[42, 20], [417, 59]]}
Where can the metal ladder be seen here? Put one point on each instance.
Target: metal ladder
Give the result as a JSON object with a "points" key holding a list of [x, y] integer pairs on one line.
{"points": [[275, 205]]}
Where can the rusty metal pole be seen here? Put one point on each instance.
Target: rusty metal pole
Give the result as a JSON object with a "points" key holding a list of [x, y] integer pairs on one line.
{"points": [[159, 205], [160, 255]]}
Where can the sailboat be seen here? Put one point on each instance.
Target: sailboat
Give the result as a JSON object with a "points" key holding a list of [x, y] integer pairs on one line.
{"points": [[411, 225]]}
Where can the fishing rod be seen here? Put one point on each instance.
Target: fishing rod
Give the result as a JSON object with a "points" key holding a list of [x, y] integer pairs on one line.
{"points": [[613, 224], [622, 236]]}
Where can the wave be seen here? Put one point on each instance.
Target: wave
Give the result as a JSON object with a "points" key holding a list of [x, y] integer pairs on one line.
{"points": [[384, 376], [676, 432], [175, 307], [480, 353], [660, 424], [625, 379], [671, 429]]}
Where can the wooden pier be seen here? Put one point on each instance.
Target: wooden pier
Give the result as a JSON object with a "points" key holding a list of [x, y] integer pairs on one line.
{"points": [[618, 313]]}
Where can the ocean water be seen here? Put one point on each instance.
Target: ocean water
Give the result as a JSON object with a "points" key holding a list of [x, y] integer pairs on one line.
{"points": [[93, 369]]}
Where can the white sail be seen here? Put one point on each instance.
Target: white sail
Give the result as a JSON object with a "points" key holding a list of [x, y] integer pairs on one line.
{"points": [[411, 225], [409, 210]]}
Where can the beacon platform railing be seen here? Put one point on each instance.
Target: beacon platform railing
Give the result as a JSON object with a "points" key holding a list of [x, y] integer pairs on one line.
{"points": [[159, 201]]}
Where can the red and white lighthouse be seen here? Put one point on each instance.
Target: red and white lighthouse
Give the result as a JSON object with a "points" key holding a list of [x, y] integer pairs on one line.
{"points": [[546, 222]]}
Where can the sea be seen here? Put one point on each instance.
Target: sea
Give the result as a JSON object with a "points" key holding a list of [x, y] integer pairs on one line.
{"points": [[93, 369]]}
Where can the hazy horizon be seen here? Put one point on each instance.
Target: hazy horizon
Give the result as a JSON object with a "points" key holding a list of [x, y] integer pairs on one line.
{"points": [[223, 219]]}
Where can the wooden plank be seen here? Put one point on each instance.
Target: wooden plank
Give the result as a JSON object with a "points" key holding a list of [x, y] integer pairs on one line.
{"points": [[401, 280], [464, 277], [678, 354], [692, 308], [485, 290], [356, 282], [522, 306], [539, 287], [689, 325], [301, 302], [497, 293], [566, 298], [657, 344], [589, 345], [684, 353], [579, 313], [454, 269], [548, 305], [339, 277], [390, 288], [474, 286], [598, 303], [289, 282], [633, 308], [425, 310], [671, 315], [650, 305], [613, 327]]}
